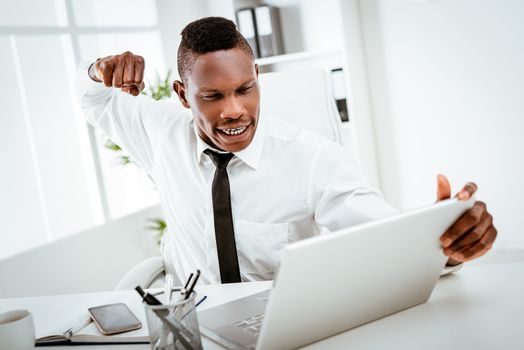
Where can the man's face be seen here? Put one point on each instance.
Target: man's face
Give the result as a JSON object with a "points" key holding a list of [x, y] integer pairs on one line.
{"points": [[223, 94]]}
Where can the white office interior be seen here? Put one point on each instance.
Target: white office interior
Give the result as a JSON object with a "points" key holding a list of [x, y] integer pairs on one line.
{"points": [[432, 87]]}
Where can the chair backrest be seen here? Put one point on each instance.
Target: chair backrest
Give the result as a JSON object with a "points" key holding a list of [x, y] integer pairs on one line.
{"points": [[304, 98]]}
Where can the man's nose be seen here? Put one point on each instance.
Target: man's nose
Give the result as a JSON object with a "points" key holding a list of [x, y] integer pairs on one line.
{"points": [[233, 109]]}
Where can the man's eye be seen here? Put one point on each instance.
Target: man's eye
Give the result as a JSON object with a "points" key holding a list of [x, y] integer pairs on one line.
{"points": [[210, 97], [245, 89]]}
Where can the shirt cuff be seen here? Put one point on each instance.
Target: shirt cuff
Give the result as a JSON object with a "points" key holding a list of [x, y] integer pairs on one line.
{"points": [[448, 269], [85, 86], [93, 73]]}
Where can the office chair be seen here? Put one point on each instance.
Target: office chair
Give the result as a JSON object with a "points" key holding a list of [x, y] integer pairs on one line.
{"points": [[301, 97]]}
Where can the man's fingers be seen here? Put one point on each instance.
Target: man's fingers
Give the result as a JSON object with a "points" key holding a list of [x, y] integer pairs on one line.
{"points": [[139, 70], [124, 71], [134, 90], [443, 188], [106, 69], [129, 71], [467, 192], [468, 220], [478, 248], [471, 236], [118, 75]]}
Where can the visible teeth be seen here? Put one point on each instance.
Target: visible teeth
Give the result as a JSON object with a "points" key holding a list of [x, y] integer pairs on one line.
{"points": [[236, 131]]}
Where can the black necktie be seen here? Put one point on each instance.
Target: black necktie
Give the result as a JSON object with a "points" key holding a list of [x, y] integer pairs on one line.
{"points": [[224, 231]]}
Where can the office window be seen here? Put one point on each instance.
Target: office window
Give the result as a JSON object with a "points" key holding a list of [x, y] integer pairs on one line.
{"points": [[115, 13], [57, 178], [128, 189], [33, 13], [55, 134], [147, 44], [19, 188]]}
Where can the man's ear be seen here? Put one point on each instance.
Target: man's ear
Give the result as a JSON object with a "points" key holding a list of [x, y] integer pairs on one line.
{"points": [[180, 90], [256, 68]]}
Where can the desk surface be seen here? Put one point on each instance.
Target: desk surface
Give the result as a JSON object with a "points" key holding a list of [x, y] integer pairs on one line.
{"points": [[480, 307]]}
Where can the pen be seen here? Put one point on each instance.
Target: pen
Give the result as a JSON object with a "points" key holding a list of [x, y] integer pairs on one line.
{"points": [[181, 297], [188, 280], [194, 307], [190, 290], [77, 327], [201, 300], [151, 300], [176, 289], [168, 287], [148, 298]]}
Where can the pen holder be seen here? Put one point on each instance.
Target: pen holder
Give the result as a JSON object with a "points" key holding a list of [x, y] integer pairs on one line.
{"points": [[174, 326]]}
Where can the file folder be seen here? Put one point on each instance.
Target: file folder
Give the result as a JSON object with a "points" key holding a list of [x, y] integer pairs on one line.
{"points": [[247, 27], [269, 34], [339, 92]]}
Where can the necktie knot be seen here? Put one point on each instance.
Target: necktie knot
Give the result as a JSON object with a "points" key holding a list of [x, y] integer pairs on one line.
{"points": [[221, 160]]}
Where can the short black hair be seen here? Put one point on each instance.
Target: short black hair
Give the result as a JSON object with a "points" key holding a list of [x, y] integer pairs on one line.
{"points": [[208, 34]]}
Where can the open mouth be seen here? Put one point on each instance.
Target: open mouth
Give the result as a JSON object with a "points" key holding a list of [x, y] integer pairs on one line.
{"points": [[234, 131]]}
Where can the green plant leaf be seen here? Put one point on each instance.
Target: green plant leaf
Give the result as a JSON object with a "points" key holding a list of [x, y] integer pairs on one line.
{"points": [[158, 226], [112, 146], [161, 89]]}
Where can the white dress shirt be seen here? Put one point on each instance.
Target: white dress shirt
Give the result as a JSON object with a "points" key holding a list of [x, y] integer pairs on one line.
{"points": [[287, 185]]}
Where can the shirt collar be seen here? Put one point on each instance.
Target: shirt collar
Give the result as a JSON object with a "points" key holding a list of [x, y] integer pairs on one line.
{"points": [[249, 155]]}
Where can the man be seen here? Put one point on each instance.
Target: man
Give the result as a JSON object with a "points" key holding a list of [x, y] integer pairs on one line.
{"points": [[235, 185]]}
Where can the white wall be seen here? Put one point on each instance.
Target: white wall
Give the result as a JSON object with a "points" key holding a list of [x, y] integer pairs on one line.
{"points": [[447, 90], [309, 25], [173, 16]]}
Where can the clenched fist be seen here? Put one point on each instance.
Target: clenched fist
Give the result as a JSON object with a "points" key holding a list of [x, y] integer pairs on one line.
{"points": [[125, 71]]}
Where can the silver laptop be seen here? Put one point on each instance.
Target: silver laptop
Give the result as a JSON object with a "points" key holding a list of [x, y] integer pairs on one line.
{"points": [[334, 282]]}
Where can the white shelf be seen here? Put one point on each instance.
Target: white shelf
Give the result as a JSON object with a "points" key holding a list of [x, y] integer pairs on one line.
{"points": [[265, 61]]}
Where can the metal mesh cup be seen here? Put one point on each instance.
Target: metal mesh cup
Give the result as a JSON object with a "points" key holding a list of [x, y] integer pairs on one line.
{"points": [[174, 326]]}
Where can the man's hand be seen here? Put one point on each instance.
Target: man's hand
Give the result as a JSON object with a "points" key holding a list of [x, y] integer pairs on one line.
{"points": [[125, 71], [473, 234]]}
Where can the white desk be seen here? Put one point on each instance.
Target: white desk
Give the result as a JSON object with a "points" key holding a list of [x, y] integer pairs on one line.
{"points": [[480, 307]]}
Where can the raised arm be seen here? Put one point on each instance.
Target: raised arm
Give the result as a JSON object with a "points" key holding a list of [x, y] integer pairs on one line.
{"points": [[110, 97]]}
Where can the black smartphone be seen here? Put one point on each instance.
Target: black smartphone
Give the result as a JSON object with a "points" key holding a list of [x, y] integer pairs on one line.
{"points": [[114, 318]]}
